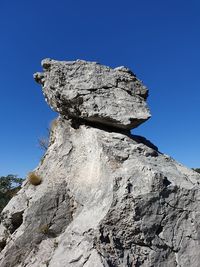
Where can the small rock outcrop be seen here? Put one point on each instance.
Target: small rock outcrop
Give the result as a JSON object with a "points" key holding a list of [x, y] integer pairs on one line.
{"points": [[106, 198]]}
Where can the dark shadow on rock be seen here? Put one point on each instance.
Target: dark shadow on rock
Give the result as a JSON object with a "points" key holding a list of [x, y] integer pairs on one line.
{"points": [[76, 123], [143, 140]]}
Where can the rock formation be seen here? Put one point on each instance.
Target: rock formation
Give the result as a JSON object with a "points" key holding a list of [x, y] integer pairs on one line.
{"points": [[92, 92], [106, 198]]}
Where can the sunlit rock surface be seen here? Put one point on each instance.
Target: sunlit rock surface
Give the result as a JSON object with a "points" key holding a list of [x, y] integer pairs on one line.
{"points": [[107, 198], [93, 92]]}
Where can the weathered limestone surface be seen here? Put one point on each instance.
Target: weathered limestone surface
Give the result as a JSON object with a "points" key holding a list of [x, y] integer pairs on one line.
{"points": [[90, 91], [107, 199]]}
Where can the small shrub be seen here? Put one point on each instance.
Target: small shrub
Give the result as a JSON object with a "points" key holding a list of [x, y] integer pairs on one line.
{"points": [[44, 229], [54, 124], [34, 178], [44, 142]]}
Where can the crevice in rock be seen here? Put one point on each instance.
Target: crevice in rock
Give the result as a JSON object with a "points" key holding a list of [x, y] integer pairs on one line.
{"points": [[166, 182], [86, 260], [142, 244], [137, 264], [16, 221], [76, 259], [129, 187], [177, 208], [110, 264], [104, 238], [77, 122], [159, 230], [2, 244]]}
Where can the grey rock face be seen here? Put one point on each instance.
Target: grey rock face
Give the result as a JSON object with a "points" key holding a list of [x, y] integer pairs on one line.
{"points": [[107, 199], [90, 91]]}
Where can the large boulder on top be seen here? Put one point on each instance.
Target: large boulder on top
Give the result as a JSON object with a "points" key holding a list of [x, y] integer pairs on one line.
{"points": [[89, 91]]}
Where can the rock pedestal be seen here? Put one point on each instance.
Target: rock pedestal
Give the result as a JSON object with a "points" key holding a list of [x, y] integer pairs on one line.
{"points": [[107, 198]]}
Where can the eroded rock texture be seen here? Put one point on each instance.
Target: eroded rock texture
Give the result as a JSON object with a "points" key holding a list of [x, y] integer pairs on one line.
{"points": [[90, 91], [107, 199]]}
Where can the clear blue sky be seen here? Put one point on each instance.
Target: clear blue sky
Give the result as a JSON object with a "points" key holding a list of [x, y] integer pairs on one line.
{"points": [[158, 40]]}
